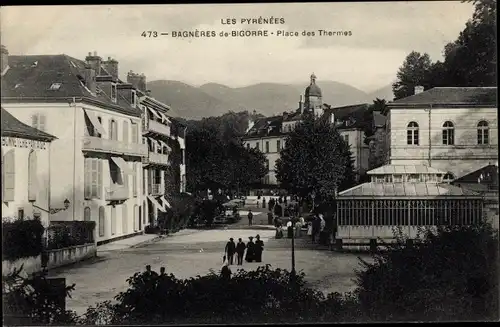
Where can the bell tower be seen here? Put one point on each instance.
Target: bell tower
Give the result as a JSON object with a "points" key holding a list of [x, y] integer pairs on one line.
{"points": [[313, 98]]}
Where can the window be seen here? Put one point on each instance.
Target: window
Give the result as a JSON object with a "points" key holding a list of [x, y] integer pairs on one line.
{"points": [[96, 133], [113, 92], [113, 130], [413, 178], [267, 146], [134, 179], [9, 176], [125, 132], [448, 178], [38, 121], [144, 176], [135, 132], [20, 213], [102, 220], [124, 219], [113, 220], [134, 99], [412, 133], [448, 133], [397, 178], [483, 133], [32, 184], [278, 145], [92, 178], [115, 173], [257, 146], [136, 220], [87, 214], [55, 86], [346, 139]]}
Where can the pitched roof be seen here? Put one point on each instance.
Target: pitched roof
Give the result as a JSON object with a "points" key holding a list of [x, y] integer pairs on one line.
{"points": [[451, 96], [12, 127], [267, 126], [485, 175], [404, 169], [352, 116], [31, 77], [412, 190]]}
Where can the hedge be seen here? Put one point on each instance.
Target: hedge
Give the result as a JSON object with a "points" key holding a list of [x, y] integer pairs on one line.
{"points": [[21, 239]]}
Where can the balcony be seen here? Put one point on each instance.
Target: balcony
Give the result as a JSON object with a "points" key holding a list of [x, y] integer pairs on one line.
{"points": [[157, 128], [158, 159], [156, 189], [117, 193], [96, 144]]}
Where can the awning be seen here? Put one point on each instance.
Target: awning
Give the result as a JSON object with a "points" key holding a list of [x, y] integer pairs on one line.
{"points": [[165, 202], [123, 165], [154, 141], [164, 118], [95, 122], [165, 145], [154, 112], [156, 203]]}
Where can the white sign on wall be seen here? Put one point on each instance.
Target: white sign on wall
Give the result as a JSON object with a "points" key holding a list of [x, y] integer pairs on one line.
{"points": [[23, 143]]}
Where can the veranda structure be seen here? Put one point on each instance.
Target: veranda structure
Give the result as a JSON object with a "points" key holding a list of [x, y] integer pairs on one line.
{"points": [[397, 199]]}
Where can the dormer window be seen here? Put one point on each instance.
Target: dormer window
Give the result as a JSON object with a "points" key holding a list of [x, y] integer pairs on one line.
{"points": [[134, 99], [55, 86], [113, 92]]}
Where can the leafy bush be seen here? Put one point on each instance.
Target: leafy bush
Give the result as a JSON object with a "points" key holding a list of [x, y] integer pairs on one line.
{"points": [[449, 274], [22, 239], [66, 234], [32, 300]]}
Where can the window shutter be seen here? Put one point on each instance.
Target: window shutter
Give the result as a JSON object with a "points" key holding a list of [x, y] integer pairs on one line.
{"points": [[113, 220], [87, 178], [135, 130], [32, 178], [34, 121], [102, 221], [124, 219], [99, 179], [86, 214], [125, 132], [9, 180], [134, 179], [41, 123], [94, 177]]}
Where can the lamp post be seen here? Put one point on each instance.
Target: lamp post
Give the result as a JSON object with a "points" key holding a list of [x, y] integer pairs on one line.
{"points": [[293, 221], [53, 211], [313, 195]]}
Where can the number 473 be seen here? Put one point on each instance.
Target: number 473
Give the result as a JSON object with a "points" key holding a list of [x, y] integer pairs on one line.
{"points": [[149, 34]]}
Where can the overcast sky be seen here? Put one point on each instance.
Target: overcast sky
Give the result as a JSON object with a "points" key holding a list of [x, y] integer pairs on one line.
{"points": [[382, 35]]}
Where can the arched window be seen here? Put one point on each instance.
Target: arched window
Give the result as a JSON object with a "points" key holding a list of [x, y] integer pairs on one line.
{"points": [[124, 219], [483, 132], [448, 133], [412, 133], [32, 184], [448, 178], [9, 176], [102, 221], [87, 214], [136, 218], [113, 130], [125, 132]]}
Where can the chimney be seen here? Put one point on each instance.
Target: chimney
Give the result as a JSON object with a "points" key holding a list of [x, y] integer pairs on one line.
{"points": [[5, 59], [301, 104], [142, 83], [418, 89], [90, 81], [95, 62], [137, 81], [112, 67]]}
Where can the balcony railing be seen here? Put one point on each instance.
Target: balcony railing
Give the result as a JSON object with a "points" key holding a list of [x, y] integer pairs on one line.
{"points": [[156, 127], [156, 189], [117, 193], [156, 158], [96, 144]]}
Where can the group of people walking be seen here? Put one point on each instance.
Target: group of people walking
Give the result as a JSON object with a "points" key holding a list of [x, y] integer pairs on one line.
{"points": [[253, 250]]}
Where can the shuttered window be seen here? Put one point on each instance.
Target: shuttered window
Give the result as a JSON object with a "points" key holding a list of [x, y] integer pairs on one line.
{"points": [[9, 174], [135, 178], [38, 121], [32, 182], [124, 219], [102, 221], [136, 218], [135, 132], [125, 132], [93, 178], [113, 130], [87, 214], [113, 220]]}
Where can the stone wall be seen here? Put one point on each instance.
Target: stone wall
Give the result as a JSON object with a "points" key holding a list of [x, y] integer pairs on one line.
{"points": [[30, 265], [70, 255]]}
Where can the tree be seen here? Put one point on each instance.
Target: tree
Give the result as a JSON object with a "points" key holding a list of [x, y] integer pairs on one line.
{"points": [[414, 72], [248, 166], [315, 159]]}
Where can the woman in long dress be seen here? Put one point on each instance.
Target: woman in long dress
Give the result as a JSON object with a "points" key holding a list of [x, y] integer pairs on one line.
{"points": [[309, 229]]}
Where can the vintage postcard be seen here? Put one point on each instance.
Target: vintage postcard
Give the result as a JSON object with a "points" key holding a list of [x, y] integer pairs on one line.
{"points": [[249, 163]]}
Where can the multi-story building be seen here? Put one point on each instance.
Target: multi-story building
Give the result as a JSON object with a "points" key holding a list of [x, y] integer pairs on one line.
{"points": [[453, 129], [162, 174], [96, 160], [25, 170], [269, 134]]}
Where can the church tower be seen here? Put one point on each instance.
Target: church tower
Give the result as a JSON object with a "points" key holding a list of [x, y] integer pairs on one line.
{"points": [[313, 98]]}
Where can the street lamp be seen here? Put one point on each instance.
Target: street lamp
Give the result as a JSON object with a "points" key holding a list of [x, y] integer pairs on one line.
{"points": [[293, 220], [53, 211]]}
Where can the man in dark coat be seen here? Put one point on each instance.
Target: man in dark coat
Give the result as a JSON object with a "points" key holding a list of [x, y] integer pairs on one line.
{"points": [[240, 250], [259, 247], [250, 250], [230, 250], [316, 227], [250, 217]]}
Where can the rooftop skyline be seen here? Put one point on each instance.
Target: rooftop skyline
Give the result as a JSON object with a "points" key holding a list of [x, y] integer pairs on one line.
{"points": [[382, 36]]}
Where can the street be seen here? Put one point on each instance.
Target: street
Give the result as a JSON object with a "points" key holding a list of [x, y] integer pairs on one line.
{"points": [[192, 252]]}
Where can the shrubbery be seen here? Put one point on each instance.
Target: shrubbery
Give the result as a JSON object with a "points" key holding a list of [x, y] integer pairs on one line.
{"points": [[66, 234], [21, 239]]}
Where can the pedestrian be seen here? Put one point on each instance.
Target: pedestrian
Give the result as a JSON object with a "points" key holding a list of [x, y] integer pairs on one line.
{"points": [[279, 231], [298, 228], [162, 271], [240, 250], [150, 273], [259, 248], [322, 226], [229, 250], [309, 229], [250, 250], [250, 217], [289, 229], [316, 226]]}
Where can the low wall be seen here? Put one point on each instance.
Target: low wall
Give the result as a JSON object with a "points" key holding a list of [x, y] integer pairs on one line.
{"points": [[30, 265], [69, 255]]}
